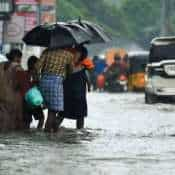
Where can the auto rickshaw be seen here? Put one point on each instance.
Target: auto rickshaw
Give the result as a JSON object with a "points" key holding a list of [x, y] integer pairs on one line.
{"points": [[137, 65]]}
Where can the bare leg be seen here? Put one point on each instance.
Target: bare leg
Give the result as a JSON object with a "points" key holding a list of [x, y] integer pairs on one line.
{"points": [[80, 123], [60, 119], [40, 115], [51, 122], [27, 116], [26, 125], [40, 124]]}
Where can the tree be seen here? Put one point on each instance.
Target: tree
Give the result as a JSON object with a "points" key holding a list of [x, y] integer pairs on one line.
{"points": [[137, 20], [142, 19]]}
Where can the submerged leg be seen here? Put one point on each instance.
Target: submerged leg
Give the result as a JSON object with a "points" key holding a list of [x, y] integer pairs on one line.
{"points": [[40, 124], [80, 123], [40, 117], [60, 119], [51, 121]]}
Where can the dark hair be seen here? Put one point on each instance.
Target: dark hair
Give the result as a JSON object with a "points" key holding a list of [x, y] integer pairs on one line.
{"points": [[31, 62], [83, 50], [13, 54]]}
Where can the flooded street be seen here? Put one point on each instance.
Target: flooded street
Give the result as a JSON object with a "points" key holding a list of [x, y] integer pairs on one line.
{"points": [[52, 52], [123, 136]]}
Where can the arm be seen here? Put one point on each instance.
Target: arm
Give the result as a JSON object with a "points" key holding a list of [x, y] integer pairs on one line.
{"points": [[38, 67], [88, 80]]}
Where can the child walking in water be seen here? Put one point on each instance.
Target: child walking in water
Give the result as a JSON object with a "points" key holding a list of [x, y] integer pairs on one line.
{"points": [[27, 82]]}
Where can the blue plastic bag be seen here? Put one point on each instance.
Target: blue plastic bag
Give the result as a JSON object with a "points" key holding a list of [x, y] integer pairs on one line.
{"points": [[33, 97]]}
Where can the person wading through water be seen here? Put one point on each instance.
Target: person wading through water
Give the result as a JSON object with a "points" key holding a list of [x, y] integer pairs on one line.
{"points": [[75, 88], [11, 117], [53, 66], [27, 81]]}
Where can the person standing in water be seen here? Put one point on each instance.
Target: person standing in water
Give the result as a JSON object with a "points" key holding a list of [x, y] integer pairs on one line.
{"points": [[75, 89], [11, 116], [53, 67], [27, 81]]}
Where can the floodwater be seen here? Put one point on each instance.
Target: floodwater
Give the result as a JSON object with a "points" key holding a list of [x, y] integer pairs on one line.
{"points": [[123, 136]]}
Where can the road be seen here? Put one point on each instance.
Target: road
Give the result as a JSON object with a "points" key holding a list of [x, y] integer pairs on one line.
{"points": [[123, 136]]}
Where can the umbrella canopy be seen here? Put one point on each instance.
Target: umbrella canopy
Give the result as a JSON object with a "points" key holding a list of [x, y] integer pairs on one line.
{"points": [[98, 35], [65, 34], [57, 35]]}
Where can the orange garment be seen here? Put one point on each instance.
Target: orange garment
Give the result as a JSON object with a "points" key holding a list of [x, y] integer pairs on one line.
{"points": [[87, 63]]}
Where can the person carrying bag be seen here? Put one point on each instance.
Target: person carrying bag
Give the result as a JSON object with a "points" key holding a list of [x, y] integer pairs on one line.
{"points": [[32, 99]]}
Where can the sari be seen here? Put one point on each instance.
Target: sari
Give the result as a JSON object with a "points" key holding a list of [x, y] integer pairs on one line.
{"points": [[11, 117]]}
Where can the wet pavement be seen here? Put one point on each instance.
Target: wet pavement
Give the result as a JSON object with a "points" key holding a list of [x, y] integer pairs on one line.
{"points": [[123, 136]]}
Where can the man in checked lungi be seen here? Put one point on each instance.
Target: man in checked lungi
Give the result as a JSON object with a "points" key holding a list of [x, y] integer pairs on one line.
{"points": [[52, 68]]}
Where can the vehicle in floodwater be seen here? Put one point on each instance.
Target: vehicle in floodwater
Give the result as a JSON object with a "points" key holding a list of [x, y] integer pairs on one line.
{"points": [[116, 76], [160, 71], [137, 64]]}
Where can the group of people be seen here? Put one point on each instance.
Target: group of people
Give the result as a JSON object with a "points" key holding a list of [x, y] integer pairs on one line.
{"points": [[106, 76], [61, 76]]}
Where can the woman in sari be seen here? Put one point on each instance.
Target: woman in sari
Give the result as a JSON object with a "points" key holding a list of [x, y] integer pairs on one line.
{"points": [[75, 89], [11, 117]]}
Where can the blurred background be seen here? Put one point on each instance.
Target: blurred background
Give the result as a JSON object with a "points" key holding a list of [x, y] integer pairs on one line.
{"points": [[131, 23]]}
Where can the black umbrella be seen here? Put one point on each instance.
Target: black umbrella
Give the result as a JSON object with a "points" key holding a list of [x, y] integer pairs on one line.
{"points": [[98, 35], [57, 35]]}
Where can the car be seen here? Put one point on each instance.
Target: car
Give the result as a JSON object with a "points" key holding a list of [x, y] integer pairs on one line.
{"points": [[160, 70]]}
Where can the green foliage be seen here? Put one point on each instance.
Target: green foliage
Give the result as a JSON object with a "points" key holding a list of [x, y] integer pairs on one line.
{"points": [[142, 19], [66, 10], [138, 20]]}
